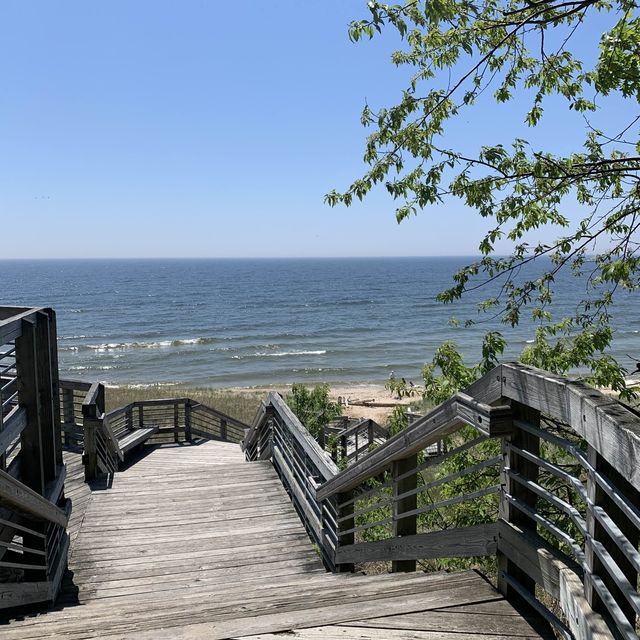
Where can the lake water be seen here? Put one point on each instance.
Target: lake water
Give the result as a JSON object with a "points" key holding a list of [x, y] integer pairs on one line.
{"points": [[249, 322]]}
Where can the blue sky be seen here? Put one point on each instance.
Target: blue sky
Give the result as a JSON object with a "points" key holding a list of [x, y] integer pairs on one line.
{"points": [[194, 128]]}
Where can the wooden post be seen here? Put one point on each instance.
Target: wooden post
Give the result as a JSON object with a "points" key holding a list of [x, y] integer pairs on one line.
{"points": [[223, 428], [176, 418], [90, 455], [100, 399], [370, 434], [31, 463], [140, 417], [527, 442], [68, 412], [405, 526], [187, 422], [55, 384], [349, 523], [48, 436], [597, 497]]}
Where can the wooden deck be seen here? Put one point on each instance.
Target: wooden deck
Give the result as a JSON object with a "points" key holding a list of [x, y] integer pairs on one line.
{"points": [[192, 542]]}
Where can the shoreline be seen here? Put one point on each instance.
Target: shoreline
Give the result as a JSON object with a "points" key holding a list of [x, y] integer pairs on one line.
{"points": [[242, 399]]}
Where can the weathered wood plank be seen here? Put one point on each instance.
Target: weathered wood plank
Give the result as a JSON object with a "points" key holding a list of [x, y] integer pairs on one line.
{"points": [[604, 423], [245, 566], [477, 540], [21, 497], [558, 575]]}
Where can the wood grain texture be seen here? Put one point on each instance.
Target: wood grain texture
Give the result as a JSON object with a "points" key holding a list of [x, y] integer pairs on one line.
{"points": [[477, 540], [193, 542]]}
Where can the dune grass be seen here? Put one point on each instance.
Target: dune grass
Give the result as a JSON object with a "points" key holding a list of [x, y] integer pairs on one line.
{"points": [[241, 404]]}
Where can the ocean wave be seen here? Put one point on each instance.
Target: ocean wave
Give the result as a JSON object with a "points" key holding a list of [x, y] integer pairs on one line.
{"points": [[281, 354], [144, 385], [123, 346], [80, 367]]}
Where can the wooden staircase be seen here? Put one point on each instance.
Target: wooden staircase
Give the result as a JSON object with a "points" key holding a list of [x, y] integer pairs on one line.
{"points": [[192, 542]]}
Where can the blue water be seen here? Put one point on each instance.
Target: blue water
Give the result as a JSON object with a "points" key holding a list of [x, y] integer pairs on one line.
{"points": [[250, 322]]}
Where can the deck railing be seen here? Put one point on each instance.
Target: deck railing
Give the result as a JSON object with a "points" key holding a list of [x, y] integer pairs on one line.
{"points": [[549, 467], [302, 464], [33, 510], [349, 442], [105, 437]]}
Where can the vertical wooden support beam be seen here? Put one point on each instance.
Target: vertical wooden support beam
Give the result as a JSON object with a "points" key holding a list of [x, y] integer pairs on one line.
{"points": [[55, 384], [140, 417], [92, 419], [68, 413], [48, 437], [90, 455], [29, 398], [370, 435], [176, 423], [223, 428], [527, 442], [187, 422], [100, 399], [31, 458], [404, 526], [345, 525], [343, 447], [597, 497]]}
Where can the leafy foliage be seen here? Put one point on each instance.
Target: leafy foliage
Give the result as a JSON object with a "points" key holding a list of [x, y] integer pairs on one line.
{"points": [[401, 388], [397, 421], [458, 50], [313, 407]]}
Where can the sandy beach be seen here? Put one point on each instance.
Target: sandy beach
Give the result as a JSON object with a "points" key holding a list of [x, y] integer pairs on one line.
{"points": [[242, 402], [351, 392]]}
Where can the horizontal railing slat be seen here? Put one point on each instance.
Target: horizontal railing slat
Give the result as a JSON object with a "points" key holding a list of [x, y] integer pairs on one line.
{"points": [[27, 500]]}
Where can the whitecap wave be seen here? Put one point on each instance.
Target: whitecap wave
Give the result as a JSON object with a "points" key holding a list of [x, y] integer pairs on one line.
{"points": [[124, 346], [280, 354]]}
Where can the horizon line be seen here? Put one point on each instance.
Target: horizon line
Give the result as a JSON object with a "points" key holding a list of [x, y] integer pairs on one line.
{"points": [[342, 257]]}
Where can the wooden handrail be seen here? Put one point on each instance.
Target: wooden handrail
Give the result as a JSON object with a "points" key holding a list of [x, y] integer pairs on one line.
{"points": [[443, 420], [11, 327], [230, 420], [302, 464], [363, 424], [115, 413], [251, 434], [27, 500], [325, 465], [587, 560], [607, 426], [66, 383]]}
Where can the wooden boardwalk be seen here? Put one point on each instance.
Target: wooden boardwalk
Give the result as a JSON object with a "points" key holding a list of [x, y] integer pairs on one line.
{"points": [[192, 542]]}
